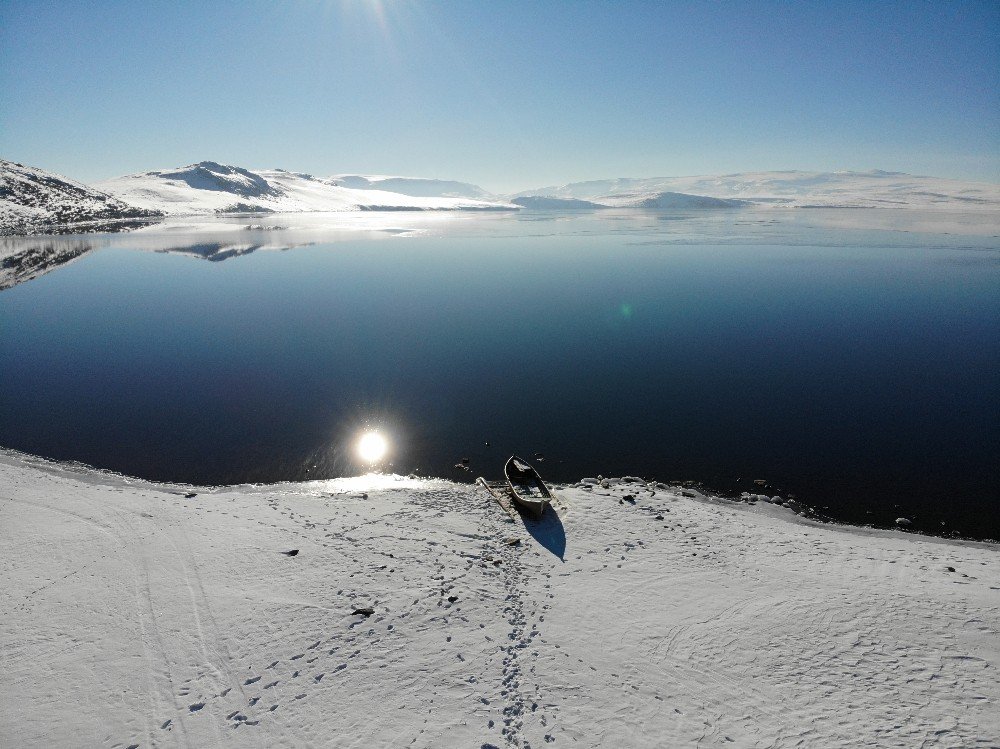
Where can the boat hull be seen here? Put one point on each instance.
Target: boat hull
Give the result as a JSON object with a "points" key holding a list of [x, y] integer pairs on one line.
{"points": [[526, 487]]}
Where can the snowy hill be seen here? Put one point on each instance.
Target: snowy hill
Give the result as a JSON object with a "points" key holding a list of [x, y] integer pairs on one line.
{"points": [[670, 200], [209, 187], [417, 613], [545, 203], [875, 189], [34, 200], [414, 186]]}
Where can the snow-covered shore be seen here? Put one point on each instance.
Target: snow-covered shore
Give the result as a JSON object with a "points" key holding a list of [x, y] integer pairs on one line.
{"points": [[139, 614]]}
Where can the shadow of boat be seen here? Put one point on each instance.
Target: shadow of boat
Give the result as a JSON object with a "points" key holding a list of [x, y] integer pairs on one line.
{"points": [[547, 530]]}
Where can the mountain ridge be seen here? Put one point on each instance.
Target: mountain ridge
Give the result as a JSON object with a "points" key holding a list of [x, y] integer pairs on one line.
{"points": [[37, 201], [791, 188], [208, 187]]}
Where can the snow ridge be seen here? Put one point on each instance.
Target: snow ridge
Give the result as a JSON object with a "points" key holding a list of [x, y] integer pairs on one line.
{"points": [[209, 175]]}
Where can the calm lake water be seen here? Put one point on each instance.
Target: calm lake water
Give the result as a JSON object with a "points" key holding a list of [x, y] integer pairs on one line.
{"points": [[849, 357]]}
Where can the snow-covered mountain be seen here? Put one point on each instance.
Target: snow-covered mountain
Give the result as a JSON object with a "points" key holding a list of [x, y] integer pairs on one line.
{"points": [[549, 203], [670, 200], [209, 187], [874, 189], [34, 200], [414, 186]]}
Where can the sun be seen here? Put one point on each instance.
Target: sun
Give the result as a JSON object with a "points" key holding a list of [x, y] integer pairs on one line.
{"points": [[372, 447]]}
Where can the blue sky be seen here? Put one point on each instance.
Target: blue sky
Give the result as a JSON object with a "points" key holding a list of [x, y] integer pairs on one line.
{"points": [[505, 94]]}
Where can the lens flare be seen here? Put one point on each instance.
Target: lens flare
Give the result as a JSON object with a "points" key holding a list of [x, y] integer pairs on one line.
{"points": [[372, 447]]}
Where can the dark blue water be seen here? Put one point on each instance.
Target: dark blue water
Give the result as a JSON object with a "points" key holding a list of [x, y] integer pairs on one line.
{"points": [[857, 369]]}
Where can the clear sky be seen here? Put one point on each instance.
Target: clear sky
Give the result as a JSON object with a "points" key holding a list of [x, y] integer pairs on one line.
{"points": [[504, 93]]}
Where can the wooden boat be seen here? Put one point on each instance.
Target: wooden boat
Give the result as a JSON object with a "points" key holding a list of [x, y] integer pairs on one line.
{"points": [[526, 487]]}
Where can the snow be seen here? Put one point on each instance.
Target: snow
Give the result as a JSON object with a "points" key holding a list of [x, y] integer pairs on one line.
{"points": [[415, 186], [669, 200], [209, 187], [33, 199], [874, 189], [543, 203], [140, 614]]}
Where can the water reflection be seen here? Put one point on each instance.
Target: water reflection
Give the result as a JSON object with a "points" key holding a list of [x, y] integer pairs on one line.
{"points": [[22, 259], [372, 447], [213, 238], [218, 238], [711, 346]]}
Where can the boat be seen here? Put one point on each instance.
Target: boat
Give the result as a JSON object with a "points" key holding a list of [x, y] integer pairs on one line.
{"points": [[526, 487]]}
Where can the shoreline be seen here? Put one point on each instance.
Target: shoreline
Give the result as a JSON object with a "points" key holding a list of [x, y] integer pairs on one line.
{"points": [[806, 514]]}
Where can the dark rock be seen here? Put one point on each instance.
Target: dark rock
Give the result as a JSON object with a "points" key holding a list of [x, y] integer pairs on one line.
{"points": [[452, 599], [190, 495], [292, 553], [659, 517], [365, 611]]}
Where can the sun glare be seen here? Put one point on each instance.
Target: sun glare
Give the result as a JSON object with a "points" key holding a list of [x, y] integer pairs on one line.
{"points": [[372, 447]]}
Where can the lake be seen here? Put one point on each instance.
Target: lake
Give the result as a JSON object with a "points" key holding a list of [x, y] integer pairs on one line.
{"points": [[849, 357]]}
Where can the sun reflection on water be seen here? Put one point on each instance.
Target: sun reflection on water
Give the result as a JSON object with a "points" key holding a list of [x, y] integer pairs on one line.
{"points": [[372, 447]]}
